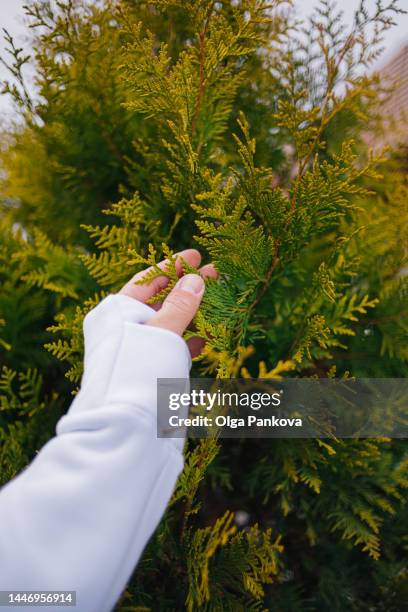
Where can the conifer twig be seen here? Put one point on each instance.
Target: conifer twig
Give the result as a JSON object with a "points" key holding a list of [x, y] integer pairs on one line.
{"points": [[201, 88], [302, 167]]}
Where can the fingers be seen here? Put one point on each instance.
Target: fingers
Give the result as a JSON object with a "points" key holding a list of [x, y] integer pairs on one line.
{"points": [[144, 292], [181, 305], [196, 344], [208, 271]]}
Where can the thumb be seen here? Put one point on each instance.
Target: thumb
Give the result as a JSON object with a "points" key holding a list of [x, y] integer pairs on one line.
{"points": [[180, 305]]}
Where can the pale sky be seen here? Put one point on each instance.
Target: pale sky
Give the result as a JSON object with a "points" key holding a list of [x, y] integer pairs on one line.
{"points": [[11, 18], [393, 39]]}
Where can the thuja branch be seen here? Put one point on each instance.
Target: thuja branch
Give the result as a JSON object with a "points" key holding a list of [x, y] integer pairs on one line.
{"points": [[201, 87], [263, 288], [303, 165], [275, 255]]}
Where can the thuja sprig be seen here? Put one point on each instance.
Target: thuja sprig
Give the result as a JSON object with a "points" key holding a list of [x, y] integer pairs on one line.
{"points": [[154, 271]]}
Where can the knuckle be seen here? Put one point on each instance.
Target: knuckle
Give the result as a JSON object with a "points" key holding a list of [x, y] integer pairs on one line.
{"points": [[181, 300]]}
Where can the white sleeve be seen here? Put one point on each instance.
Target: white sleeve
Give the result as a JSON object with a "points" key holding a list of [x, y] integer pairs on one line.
{"points": [[78, 517]]}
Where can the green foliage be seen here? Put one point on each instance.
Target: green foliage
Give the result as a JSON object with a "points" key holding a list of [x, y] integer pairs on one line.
{"points": [[246, 562], [114, 242], [229, 127], [70, 345], [22, 410]]}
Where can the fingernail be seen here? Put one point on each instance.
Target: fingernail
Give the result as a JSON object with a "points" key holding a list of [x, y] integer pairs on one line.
{"points": [[191, 282]]}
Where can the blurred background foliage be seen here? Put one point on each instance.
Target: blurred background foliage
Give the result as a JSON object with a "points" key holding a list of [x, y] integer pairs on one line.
{"points": [[230, 127]]}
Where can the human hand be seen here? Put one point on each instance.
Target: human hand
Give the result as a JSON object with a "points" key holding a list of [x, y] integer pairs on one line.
{"points": [[178, 309]]}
